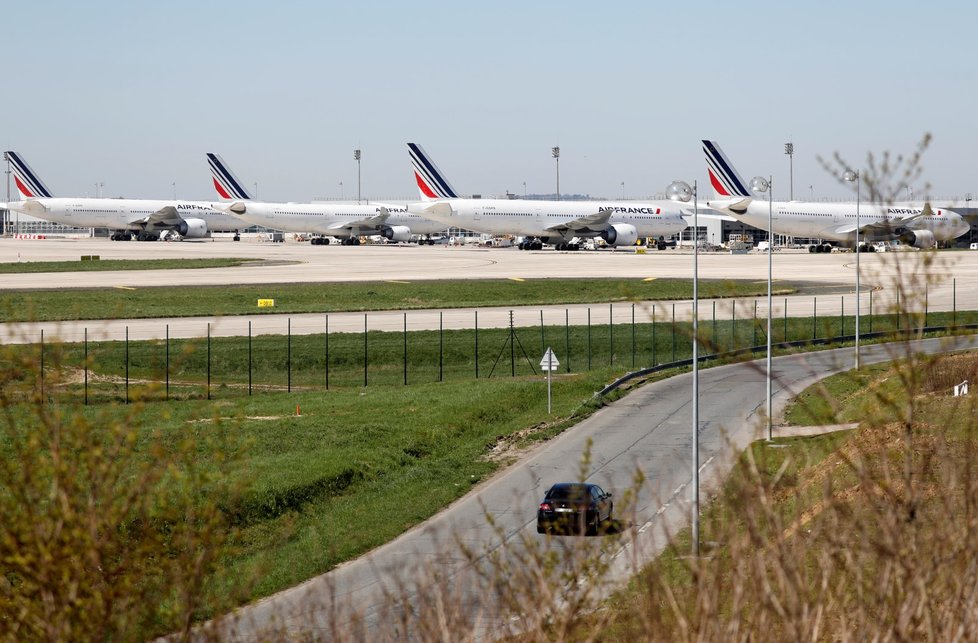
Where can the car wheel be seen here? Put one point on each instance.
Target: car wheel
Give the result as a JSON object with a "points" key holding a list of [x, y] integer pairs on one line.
{"points": [[541, 529]]}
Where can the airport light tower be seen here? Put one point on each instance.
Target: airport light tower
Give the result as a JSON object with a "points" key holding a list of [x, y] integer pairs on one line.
{"points": [[789, 149], [555, 151], [682, 192], [356, 157], [853, 176], [760, 184]]}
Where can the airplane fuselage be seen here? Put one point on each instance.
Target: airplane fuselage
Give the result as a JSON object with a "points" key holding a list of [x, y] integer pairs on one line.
{"points": [[339, 220], [837, 221], [122, 214], [544, 218]]}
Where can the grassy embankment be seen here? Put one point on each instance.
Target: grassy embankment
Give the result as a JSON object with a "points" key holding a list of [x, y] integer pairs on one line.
{"points": [[858, 534]]}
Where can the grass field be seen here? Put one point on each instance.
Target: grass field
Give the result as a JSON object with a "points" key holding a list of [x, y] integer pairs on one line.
{"points": [[8, 268], [105, 303]]}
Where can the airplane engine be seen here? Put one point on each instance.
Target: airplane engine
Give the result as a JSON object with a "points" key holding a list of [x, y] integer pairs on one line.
{"points": [[620, 234], [397, 233], [919, 238], [192, 228]]}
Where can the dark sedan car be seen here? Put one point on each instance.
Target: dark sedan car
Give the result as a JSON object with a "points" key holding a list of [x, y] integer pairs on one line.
{"points": [[574, 507]]}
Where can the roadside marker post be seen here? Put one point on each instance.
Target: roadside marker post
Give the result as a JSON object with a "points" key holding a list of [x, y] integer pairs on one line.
{"points": [[549, 363]]}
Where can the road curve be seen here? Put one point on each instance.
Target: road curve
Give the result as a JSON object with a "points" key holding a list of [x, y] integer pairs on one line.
{"points": [[648, 430]]}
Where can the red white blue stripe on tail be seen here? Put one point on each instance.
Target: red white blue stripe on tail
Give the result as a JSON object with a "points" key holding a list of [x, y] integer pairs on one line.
{"points": [[724, 178], [225, 182], [29, 186], [432, 184]]}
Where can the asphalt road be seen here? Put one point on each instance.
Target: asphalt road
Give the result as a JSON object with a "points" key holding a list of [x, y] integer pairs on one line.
{"points": [[648, 430]]}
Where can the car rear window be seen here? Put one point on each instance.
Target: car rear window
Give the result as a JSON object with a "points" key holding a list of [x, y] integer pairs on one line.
{"points": [[568, 492]]}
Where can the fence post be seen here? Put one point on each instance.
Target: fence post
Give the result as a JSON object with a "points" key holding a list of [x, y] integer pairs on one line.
{"points": [[512, 347], [633, 336], [127, 361], [327, 352], [753, 337], [870, 311], [441, 346], [611, 335], [954, 301], [288, 354], [42, 363], [589, 338], [208, 360], [733, 324], [543, 336], [405, 349], [477, 344], [716, 346], [249, 357], [814, 318], [926, 300], [365, 349], [674, 332], [167, 367], [785, 319], [653, 335], [86, 366], [842, 316], [567, 340]]}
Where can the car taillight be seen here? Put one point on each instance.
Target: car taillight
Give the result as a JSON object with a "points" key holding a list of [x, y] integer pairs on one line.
{"points": [[545, 506]]}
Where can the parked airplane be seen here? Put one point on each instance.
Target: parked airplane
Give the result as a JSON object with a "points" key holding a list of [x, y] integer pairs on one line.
{"points": [[147, 218], [347, 221], [920, 226], [619, 223]]}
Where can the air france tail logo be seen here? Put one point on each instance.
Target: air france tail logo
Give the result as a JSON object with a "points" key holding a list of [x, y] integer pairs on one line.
{"points": [[225, 182], [24, 177], [723, 176], [431, 182]]}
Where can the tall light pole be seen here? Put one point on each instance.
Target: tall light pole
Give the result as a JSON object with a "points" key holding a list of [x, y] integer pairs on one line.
{"points": [[682, 192], [622, 190], [174, 186], [341, 190], [853, 175], [256, 190], [789, 149], [356, 157], [555, 151], [760, 184], [524, 189]]}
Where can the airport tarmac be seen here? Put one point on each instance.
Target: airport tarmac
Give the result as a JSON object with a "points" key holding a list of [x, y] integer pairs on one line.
{"points": [[829, 279]]}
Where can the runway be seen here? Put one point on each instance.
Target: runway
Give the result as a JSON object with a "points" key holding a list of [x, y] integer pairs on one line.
{"points": [[918, 281]]}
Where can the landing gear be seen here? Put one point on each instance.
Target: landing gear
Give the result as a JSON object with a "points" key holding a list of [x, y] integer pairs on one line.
{"points": [[531, 244], [567, 246], [147, 236], [237, 237], [121, 235], [319, 241], [351, 241], [426, 240], [820, 247]]}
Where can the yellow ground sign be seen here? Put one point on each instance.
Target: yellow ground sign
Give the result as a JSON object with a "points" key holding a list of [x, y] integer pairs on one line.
{"points": [[266, 303]]}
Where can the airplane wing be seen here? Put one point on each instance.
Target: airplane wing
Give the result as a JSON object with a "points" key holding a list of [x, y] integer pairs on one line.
{"points": [[375, 221], [165, 217], [588, 223]]}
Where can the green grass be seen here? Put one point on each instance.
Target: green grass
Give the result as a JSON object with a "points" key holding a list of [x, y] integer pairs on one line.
{"points": [[102, 303], [355, 469], [122, 264]]}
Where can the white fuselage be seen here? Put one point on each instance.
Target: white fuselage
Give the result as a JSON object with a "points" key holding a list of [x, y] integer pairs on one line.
{"points": [[339, 220], [122, 214], [837, 221], [539, 218]]}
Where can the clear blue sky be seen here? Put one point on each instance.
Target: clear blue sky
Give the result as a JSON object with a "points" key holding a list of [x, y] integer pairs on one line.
{"points": [[133, 94]]}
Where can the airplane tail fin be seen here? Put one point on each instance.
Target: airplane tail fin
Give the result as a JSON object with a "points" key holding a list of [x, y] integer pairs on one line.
{"points": [[432, 184], [225, 182], [726, 181], [28, 184]]}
